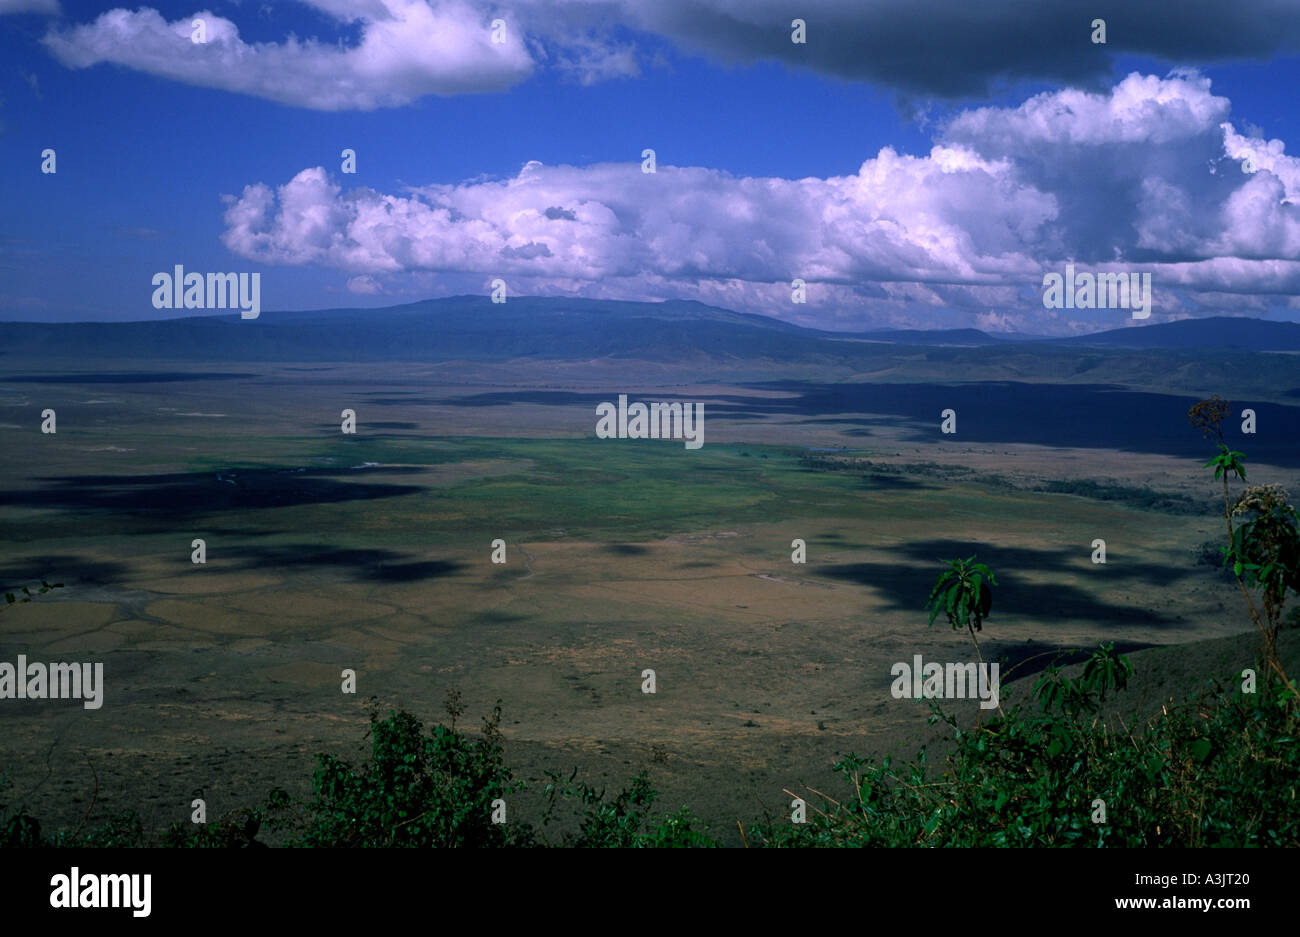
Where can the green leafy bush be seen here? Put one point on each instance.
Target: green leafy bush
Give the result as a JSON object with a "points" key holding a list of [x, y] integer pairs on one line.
{"points": [[1263, 546], [417, 790], [623, 821], [1223, 771]]}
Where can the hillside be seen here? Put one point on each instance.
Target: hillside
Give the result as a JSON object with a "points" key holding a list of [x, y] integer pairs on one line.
{"points": [[469, 328], [1238, 332]]}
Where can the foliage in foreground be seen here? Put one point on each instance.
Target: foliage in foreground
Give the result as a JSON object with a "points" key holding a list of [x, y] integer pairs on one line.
{"points": [[1263, 545], [434, 789], [1223, 771], [624, 821]]}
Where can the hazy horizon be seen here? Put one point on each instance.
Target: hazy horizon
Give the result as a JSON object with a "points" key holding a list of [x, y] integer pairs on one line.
{"points": [[992, 332]]}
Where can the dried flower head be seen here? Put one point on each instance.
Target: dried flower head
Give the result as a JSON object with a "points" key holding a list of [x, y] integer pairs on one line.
{"points": [[1208, 414]]}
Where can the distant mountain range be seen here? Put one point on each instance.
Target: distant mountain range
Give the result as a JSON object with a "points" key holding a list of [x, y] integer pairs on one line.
{"points": [[472, 328], [1236, 332]]}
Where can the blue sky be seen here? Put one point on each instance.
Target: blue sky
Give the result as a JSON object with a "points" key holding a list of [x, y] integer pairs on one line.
{"points": [[769, 164]]}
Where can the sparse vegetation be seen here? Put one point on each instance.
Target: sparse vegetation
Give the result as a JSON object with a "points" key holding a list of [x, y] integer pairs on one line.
{"points": [[1263, 545], [1140, 497], [623, 821], [1222, 771], [445, 788], [1143, 498]]}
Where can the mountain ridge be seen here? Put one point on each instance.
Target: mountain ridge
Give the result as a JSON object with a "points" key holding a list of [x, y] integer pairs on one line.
{"points": [[474, 328]]}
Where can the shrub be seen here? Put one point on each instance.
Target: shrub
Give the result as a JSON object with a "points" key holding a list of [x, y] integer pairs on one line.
{"points": [[1223, 771], [623, 821], [417, 790]]}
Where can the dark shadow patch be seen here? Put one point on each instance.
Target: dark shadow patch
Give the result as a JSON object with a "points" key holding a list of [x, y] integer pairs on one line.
{"points": [[308, 555], [130, 377], [366, 564], [240, 532], [881, 481], [906, 585], [695, 564], [363, 436], [497, 618], [192, 495], [626, 549], [390, 401], [1033, 657], [503, 574], [1064, 560], [414, 572], [363, 425], [564, 398], [1087, 416], [64, 568]]}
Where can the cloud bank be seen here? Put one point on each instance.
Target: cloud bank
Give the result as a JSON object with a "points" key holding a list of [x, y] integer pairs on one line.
{"points": [[920, 49], [1150, 175]]}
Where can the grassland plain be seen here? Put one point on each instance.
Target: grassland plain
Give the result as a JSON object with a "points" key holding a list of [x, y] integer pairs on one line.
{"points": [[371, 551]]}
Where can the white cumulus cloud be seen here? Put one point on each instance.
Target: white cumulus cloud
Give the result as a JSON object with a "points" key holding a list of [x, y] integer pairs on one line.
{"points": [[408, 49], [1147, 176]]}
